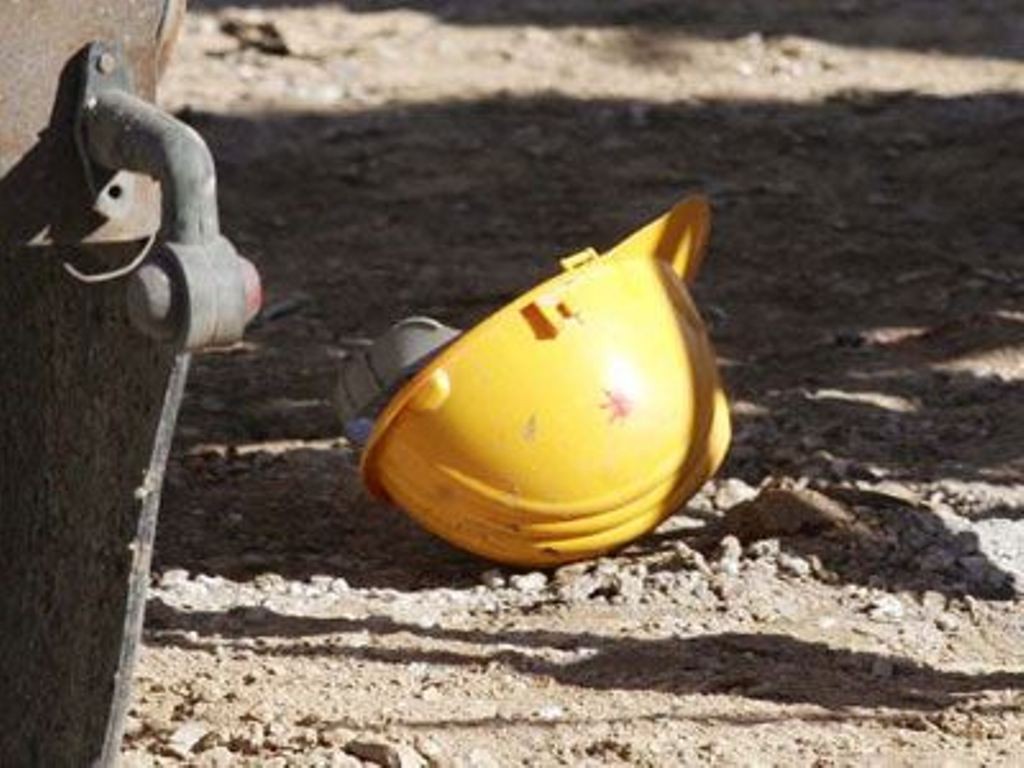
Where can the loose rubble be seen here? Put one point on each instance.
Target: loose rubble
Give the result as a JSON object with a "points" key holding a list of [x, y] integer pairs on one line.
{"points": [[742, 564]]}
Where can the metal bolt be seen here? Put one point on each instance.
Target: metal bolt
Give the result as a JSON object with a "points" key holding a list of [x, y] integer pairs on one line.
{"points": [[106, 63]]}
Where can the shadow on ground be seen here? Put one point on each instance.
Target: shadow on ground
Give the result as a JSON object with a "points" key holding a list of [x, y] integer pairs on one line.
{"points": [[861, 247], [771, 667]]}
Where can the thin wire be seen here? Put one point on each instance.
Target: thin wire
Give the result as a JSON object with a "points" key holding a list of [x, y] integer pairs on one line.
{"points": [[114, 274]]}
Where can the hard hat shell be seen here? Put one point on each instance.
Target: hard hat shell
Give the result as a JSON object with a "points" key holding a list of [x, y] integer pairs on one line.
{"points": [[571, 421]]}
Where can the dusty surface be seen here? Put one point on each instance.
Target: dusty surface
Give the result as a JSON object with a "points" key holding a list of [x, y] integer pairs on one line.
{"points": [[865, 284]]}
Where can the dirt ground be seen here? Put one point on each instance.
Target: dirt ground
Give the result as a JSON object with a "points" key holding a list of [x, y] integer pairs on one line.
{"points": [[864, 288]]}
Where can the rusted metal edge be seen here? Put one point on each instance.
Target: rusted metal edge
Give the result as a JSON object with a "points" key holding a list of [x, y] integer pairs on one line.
{"points": [[148, 495]]}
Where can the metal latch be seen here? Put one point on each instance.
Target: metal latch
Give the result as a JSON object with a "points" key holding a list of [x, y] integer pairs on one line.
{"points": [[188, 286]]}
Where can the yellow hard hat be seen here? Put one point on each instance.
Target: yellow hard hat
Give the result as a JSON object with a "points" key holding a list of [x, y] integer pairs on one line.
{"points": [[571, 421]]}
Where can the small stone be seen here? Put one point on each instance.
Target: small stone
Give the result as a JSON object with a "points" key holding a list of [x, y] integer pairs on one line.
{"points": [[733, 491], [886, 609], [819, 569], [777, 512], [334, 735], [724, 587], [426, 620], [947, 622], [730, 551], [729, 567], [528, 582], [550, 712], [753, 40], [630, 587], [432, 750], [408, 757], [185, 738], [793, 565], [387, 755], [269, 582], [570, 573], [702, 591], [492, 579], [933, 602], [691, 559], [478, 758], [899, 491], [580, 588]]}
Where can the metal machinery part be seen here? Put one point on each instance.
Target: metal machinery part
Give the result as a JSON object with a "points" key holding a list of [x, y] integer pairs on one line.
{"points": [[196, 291], [92, 175], [43, 197]]}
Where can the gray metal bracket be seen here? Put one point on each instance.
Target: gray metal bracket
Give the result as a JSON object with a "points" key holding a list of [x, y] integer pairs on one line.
{"points": [[193, 290]]}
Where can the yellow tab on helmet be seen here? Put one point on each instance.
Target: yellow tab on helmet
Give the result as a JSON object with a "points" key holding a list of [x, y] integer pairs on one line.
{"points": [[678, 238]]}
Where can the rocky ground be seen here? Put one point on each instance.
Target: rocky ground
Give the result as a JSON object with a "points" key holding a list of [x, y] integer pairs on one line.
{"points": [[848, 591]]}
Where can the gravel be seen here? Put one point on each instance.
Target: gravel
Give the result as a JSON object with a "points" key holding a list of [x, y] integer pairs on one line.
{"points": [[528, 582], [886, 609]]}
